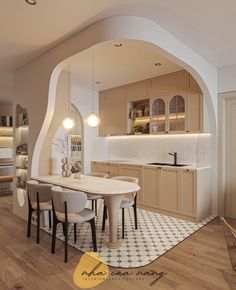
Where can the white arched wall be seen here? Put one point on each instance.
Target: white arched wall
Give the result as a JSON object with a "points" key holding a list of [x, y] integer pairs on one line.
{"points": [[35, 83]]}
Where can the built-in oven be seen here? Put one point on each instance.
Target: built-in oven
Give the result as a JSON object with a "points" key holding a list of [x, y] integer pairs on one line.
{"points": [[6, 173]]}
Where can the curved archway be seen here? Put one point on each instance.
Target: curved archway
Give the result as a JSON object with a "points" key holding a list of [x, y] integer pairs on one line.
{"points": [[127, 27]]}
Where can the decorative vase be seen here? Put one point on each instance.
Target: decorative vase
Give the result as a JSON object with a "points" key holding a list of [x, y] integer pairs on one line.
{"points": [[66, 167]]}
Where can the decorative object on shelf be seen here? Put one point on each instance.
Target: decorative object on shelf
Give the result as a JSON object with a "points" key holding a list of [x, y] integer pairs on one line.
{"points": [[75, 167], [66, 167], [68, 122], [79, 175], [93, 120], [22, 149], [6, 121], [140, 113], [25, 162], [138, 129], [21, 180], [146, 129], [146, 111]]}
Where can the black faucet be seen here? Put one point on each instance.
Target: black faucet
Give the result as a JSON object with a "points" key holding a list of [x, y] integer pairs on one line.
{"points": [[175, 156]]}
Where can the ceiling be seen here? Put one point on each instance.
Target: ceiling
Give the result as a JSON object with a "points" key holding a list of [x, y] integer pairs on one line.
{"points": [[115, 66], [207, 27]]}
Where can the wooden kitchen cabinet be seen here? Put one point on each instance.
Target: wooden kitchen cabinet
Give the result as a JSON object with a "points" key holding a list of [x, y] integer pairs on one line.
{"points": [[170, 189], [151, 190], [176, 105], [179, 192], [188, 193], [194, 112], [134, 171]]}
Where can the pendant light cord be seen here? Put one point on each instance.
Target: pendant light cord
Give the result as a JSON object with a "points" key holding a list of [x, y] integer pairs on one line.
{"points": [[69, 92], [92, 81]]}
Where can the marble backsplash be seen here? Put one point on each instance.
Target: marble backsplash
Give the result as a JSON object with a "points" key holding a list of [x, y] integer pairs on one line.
{"points": [[191, 149]]}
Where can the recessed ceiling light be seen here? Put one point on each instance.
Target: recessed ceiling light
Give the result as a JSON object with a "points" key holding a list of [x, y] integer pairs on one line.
{"points": [[157, 64], [31, 2], [118, 44]]}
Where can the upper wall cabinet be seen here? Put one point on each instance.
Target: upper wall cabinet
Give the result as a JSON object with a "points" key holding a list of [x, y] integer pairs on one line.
{"points": [[167, 104], [113, 112]]}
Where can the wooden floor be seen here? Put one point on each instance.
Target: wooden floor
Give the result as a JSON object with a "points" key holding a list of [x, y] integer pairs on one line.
{"points": [[199, 262]]}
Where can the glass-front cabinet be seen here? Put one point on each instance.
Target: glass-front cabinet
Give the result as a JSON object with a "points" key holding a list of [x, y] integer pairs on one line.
{"points": [[168, 114], [177, 114], [158, 116]]}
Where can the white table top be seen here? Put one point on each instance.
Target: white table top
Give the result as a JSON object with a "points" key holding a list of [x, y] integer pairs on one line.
{"points": [[91, 184]]}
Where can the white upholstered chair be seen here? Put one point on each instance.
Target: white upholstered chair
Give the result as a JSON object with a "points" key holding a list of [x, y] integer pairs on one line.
{"points": [[94, 198], [128, 202], [69, 207], [39, 199]]}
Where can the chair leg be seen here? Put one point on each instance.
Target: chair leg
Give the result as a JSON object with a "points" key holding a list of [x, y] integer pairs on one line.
{"points": [[92, 204], [29, 222], [123, 223], [38, 225], [49, 219], [96, 207], [104, 218], [93, 230], [63, 229], [66, 243], [75, 233], [135, 216], [54, 232]]}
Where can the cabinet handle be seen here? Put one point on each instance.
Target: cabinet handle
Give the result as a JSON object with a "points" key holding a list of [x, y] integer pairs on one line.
{"points": [[159, 167], [187, 170], [166, 132], [187, 131]]}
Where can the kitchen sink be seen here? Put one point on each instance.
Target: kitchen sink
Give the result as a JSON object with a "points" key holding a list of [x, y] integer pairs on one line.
{"points": [[167, 164]]}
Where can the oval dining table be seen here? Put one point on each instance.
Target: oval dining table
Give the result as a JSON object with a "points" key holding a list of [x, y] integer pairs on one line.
{"points": [[112, 191]]}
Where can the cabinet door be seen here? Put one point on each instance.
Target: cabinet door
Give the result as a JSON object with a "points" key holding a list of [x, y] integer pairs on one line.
{"points": [[170, 190], [134, 171], [137, 91], [114, 169], [195, 112], [188, 193], [150, 187]]}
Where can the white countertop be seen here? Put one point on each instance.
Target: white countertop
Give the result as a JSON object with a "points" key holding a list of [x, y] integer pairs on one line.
{"points": [[91, 184], [143, 163]]}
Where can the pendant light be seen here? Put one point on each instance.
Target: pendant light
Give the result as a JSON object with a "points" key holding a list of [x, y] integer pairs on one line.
{"points": [[93, 120], [68, 122]]}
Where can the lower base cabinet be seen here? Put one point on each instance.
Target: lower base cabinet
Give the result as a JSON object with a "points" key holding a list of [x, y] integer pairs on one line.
{"points": [[179, 192]]}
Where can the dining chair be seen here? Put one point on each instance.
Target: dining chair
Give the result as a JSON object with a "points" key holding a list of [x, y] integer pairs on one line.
{"points": [[128, 202], [69, 208], [94, 198], [39, 200]]}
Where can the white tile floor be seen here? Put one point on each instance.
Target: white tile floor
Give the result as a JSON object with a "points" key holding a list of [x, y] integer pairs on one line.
{"points": [[156, 234]]}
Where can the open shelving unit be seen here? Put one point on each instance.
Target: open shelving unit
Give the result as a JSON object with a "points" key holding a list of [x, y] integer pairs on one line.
{"points": [[21, 140], [139, 117]]}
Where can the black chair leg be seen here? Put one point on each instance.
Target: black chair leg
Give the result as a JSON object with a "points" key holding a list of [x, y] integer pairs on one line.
{"points": [[123, 223], [104, 218], [29, 222], [93, 230], [96, 207], [135, 216], [49, 219], [92, 204], [54, 232], [75, 233], [63, 229], [38, 225], [66, 243]]}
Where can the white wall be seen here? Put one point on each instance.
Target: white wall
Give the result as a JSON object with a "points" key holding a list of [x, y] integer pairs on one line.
{"points": [[227, 79]]}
